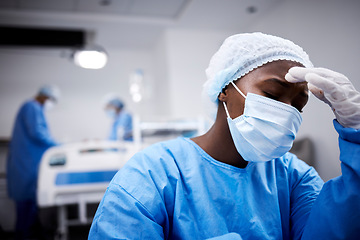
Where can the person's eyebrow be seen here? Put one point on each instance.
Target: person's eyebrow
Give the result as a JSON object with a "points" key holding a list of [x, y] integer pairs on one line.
{"points": [[275, 80], [284, 84]]}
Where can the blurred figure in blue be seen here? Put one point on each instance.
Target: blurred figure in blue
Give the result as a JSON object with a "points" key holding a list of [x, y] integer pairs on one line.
{"points": [[30, 139], [122, 126]]}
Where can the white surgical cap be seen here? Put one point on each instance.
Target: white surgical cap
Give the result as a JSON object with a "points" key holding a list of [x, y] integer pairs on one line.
{"points": [[50, 91], [241, 53]]}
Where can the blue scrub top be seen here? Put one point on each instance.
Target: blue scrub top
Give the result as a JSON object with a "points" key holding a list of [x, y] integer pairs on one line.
{"points": [[30, 139], [175, 190], [122, 123]]}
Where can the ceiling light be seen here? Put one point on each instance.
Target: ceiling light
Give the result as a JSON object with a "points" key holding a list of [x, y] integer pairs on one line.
{"points": [[90, 58]]}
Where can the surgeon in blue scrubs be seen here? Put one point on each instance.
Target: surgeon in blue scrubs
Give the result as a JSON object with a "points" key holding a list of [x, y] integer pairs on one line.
{"points": [[122, 128], [30, 139], [238, 180]]}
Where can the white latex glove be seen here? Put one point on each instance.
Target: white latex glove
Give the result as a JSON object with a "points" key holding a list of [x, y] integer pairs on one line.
{"points": [[333, 88]]}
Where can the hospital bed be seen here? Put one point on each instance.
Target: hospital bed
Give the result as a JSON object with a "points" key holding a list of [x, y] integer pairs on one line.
{"points": [[148, 132], [78, 174]]}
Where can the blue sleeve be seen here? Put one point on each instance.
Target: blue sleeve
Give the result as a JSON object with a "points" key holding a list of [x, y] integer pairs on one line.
{"points": [[305, 186], [121, 216], [336, 212], [36, 125]]}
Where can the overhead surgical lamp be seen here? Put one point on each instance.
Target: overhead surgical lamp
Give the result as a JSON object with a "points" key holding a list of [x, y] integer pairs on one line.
{"points": [[90, 57], [83, 51]]}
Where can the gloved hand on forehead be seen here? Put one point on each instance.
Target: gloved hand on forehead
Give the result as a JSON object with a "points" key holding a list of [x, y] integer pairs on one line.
{"points": [[333, 88]]}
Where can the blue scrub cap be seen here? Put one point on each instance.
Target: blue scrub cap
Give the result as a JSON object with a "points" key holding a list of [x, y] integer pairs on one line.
{"points": [[116, 102], [50, 91], [241, 53]]}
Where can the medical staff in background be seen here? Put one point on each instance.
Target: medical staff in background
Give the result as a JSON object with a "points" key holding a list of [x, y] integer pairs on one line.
{"points": [[30, 139], [122, 126], [238, 180]]}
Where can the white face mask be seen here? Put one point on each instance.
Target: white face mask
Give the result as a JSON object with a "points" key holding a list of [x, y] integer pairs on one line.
{"points": [[266, 130], [48, 105], [111, 113]]}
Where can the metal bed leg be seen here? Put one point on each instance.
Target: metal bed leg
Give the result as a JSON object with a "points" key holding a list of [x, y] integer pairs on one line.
{"points": [[82, 211], [62, 233]]}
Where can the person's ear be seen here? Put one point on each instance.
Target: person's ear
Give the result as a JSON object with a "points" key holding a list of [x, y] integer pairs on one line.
{"points": [[223, 95]]}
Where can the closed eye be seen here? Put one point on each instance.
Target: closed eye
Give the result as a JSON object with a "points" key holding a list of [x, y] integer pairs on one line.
{"points": [[274, 97], [269, 95]]}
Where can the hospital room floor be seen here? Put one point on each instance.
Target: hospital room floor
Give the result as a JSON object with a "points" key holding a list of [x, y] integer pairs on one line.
{"points": [[79, 233], [75, 233]]}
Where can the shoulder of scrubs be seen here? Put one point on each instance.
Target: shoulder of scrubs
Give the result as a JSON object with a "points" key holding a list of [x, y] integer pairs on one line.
{"points": [[336, 212], [136, 196], [35, 123]]}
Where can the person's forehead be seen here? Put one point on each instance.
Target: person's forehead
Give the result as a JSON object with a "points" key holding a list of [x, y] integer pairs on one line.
{"points": [[273, 74], [277, 69]]}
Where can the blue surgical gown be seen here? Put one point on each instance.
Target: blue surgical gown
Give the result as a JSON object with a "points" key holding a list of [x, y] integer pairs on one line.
{"points": [[175, 190], [30, 139], [122, 124]]}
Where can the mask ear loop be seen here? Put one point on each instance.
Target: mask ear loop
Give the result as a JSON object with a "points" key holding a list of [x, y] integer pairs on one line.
{"points": [[226, 110], [237, 89]]}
